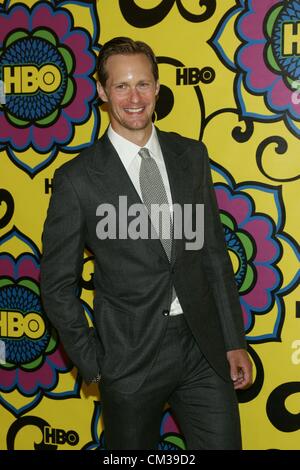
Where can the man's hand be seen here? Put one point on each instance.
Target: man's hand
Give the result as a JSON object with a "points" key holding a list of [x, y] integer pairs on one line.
{"points": [[240, 368]]}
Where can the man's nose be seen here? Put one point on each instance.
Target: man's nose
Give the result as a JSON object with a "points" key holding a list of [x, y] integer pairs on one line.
{"points": [[134, 95]]}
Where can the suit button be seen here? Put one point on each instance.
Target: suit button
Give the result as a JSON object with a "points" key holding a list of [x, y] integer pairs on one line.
{"points": [[165, 313]]}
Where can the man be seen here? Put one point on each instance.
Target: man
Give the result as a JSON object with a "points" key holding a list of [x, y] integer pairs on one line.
{"points": [[167, 320]]}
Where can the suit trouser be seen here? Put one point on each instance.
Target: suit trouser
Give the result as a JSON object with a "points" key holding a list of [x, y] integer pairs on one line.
{"points": [[204, 404]]}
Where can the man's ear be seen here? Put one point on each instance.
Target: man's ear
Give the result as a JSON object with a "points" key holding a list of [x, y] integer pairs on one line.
{"points": [[101, 92]]}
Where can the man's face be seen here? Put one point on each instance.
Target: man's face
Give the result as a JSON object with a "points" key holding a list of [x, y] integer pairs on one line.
{"points": [[130, 92]]}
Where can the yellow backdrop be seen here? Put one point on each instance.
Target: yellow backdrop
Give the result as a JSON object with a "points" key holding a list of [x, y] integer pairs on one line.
{"points": [[229, 75]]}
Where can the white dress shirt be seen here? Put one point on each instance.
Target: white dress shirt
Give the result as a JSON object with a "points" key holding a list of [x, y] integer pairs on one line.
{"points": [[128, 153]]}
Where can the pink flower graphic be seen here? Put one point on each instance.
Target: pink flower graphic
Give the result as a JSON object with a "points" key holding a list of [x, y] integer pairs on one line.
{"points": [[33, 357], [251, 239], [47, 65], [266, 62], [254, 242]]}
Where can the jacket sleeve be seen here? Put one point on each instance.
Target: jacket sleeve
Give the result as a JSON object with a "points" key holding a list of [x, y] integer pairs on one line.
{"points": [[63, 245], [218, 267]]}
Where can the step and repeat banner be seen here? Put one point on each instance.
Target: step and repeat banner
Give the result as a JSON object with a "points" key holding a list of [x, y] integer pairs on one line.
{"points": [[230, 76]]}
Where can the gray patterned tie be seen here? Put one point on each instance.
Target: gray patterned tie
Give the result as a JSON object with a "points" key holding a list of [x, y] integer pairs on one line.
{"points": [[154, 192]]}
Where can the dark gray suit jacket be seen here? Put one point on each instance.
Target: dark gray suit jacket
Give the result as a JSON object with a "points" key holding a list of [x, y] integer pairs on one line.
{"points": [[133, 278]]}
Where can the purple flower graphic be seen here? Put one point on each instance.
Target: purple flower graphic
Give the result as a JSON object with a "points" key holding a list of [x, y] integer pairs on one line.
{"points": [[254, 241], [267, 62], [253, 249], [46, 65], [170, 434], [33, 357]]}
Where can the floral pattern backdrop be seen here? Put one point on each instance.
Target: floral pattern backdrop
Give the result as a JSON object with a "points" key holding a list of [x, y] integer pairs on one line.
{"points": [[230, 76]]}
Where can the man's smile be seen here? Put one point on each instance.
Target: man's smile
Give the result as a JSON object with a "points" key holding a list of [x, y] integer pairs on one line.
{"points": [[134, 110]]}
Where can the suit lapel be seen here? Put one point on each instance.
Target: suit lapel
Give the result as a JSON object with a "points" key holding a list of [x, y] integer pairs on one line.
{"points": [[110, 175], [180, 180], [113, 181]]}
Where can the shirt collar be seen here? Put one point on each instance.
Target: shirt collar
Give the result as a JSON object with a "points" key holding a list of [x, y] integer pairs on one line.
{"points": [[128, 150], [153, 144]]}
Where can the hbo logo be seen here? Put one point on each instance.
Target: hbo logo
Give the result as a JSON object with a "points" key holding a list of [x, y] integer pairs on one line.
{"points": [[59, 436]]}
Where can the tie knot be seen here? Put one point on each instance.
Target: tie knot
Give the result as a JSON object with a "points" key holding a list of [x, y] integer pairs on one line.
{"points": [[144, 153]]}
